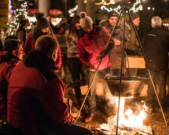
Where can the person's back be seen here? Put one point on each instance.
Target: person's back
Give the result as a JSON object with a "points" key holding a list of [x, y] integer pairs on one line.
{"points": [[32, 86], [156, 45], [36, 95]]}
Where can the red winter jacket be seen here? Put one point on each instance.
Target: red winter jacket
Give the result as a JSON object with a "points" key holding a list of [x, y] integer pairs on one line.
{"points": [[93, 44], [36, 96], [6, 67], [30, 44]]}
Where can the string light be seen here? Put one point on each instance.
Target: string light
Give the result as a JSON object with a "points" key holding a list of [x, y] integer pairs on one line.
{"points": [[117, 9], [136, 7], [21, 13], [71, 11]]}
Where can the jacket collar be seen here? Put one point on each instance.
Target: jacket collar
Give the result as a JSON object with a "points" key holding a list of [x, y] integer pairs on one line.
{"points": [[156, 28], [5, 57], [38, 59]]}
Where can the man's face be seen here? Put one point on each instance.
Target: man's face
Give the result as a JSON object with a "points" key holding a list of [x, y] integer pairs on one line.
{"points": [[46, 30], [113, 20], [136, 21], [54, 55], [88, 29], [19, 52]]}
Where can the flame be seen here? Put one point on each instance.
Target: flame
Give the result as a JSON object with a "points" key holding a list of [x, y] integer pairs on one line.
{"points": [[128, 118]]}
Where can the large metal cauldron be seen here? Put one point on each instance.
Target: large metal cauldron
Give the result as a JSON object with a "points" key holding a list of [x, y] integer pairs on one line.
{"points": [[130, 86]]}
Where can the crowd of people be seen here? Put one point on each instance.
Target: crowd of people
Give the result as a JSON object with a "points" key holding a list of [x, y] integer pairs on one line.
{"points": [[32, 94]]}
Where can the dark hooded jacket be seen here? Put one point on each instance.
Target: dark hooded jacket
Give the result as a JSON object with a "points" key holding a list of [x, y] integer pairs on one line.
{"points": [[30, 44], [36, 99], [6, 66]]}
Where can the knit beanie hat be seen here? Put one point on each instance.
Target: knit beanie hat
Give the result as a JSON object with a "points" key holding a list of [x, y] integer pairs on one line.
{"points": [[112, 13], [85, 20], [134, 16], [42, 22]]}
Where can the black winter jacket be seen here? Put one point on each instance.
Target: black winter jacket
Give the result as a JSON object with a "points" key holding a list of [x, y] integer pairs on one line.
{"points": [[156, 47]]}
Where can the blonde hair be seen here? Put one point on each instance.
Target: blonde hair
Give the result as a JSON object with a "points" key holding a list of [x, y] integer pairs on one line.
{"points": [[46, 44]]}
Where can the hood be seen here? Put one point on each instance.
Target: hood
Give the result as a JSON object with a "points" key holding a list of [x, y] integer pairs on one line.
{"points": [[5, 57], [35, 33], [38, 59]]}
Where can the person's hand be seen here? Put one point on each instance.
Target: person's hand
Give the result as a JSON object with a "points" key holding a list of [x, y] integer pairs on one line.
{"points": [[69, 119], [117, 42], [72, 120], [92, 68]]}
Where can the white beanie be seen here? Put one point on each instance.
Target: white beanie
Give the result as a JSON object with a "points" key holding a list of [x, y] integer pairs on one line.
{"points": [[156, 21], [85, 21]]}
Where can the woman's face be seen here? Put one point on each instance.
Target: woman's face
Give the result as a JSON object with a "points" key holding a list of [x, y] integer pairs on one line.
{"points": [[77, 25], [45, 30]]}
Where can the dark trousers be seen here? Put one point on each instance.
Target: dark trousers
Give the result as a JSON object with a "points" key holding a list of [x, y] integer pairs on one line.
{"points": [[76, 69], [92, 97], [60, 129], [161, 77]]}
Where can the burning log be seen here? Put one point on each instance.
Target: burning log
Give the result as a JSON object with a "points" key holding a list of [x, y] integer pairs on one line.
{"points": [[108, 129]]}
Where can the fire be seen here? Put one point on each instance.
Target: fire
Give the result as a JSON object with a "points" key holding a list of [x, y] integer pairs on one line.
{"points": [[128, 118], [129, 122]]}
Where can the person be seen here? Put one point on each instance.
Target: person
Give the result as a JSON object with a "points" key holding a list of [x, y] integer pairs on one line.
{"points": [[91, 46], [42, 28], [116, 53], [36, 101], [75, 66], [21, 32], [156, 44], [13, 52], [133, 50]]}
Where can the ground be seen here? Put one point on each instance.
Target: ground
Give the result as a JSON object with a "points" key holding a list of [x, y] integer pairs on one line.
{"points": [[154, 119]]}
